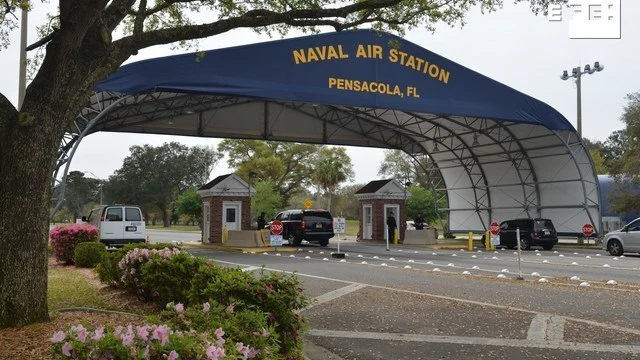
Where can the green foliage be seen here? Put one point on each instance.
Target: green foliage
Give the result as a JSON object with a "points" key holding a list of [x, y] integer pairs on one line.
{"points": [[598, 162], [248, 326], [278, 294], [399, 165], [80, 193], [423, 201], [345, 202], [163, 279], [626, 168], [267, 199], [88, 254], [153, 176], [332, 167], [108, 269], [288, 166], [271, 300], [189, 203]]}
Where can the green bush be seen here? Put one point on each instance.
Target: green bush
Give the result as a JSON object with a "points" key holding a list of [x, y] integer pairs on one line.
{"points": [[88, 254], [108, 270], [265, 304]]}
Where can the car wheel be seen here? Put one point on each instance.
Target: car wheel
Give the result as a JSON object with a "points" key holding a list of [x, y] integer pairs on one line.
{"points": [[524, 244], [297, 240], [324, 242], [547, 247], [615, 248]]}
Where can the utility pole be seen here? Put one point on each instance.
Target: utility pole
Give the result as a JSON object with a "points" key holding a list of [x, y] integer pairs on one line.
{"points": [[577, 73]]}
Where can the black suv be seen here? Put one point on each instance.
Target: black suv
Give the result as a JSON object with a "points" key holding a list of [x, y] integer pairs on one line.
{"points": [[311, 225], [533, 232]]}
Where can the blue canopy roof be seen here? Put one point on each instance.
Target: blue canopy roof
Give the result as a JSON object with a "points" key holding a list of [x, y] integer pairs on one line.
{"points": [[360, 68]]}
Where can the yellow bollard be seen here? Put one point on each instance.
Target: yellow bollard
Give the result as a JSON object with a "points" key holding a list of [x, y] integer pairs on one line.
{"points": [[470, 241], [487, 241], [395, 236]]}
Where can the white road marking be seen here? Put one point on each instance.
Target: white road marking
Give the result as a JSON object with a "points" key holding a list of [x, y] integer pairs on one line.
{"points": [[251, 268], [332, 295], [519, 343], [546, 327]]}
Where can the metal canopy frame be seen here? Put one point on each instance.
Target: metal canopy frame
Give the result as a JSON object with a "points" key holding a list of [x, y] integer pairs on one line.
{"points": [[488, 170]]}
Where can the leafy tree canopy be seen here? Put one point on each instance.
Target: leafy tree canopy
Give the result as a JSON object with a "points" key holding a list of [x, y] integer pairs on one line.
{"points": [[401, 166], [189, 203], [332, 167], [288, 166], [155, 176], [626, 166]]}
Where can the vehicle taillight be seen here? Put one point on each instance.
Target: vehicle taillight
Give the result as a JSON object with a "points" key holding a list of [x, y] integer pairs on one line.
{"points": [[535, 232], [103, 214], [302, 224]]}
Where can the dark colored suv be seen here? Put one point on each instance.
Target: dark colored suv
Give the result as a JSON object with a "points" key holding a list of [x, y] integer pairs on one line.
{"points": [[312, 225], [533, 232]]}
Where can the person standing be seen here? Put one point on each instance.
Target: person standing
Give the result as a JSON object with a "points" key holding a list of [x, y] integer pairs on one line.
{"points": [[261, 221], [419, 222], [391, 226]]}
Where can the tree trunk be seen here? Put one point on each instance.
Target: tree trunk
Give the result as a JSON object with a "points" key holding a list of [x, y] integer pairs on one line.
{"points": [[27, 154]]}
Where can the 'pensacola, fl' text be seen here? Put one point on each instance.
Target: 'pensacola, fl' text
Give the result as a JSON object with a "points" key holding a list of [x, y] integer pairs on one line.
{"points": [[394, 55]]}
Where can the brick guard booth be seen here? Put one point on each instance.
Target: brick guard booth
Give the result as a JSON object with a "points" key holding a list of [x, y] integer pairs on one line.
{"points": [[226, 203], [375, 201]]}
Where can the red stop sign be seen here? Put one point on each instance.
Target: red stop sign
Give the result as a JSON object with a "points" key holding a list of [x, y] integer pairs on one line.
{"points": [[495, 228], [587, 229], [276, 227]]}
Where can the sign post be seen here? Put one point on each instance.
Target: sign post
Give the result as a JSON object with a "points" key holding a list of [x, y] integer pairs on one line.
{"points": [[275, 239], [519, 253], [338, 228]]}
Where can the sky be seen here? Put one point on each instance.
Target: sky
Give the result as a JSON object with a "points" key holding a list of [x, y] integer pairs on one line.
{"points": [[512, 46]]}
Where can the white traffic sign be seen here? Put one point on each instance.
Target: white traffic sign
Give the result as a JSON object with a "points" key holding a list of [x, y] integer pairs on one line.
{"points": [[338, 225], [495, 240], [275, 240]]}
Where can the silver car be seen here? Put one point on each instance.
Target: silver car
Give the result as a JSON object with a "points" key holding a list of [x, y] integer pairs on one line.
{"points": [[624, 240]]}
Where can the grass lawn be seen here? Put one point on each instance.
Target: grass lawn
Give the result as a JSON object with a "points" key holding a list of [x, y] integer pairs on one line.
{"points": [[174, 228], [70, 288], [351, 227]]}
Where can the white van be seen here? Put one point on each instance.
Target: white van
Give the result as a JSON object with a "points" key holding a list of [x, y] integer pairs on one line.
{"points": [[118, 224]]}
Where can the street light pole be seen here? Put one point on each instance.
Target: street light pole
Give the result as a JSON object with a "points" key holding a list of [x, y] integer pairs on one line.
{"points": [[577, 73]]}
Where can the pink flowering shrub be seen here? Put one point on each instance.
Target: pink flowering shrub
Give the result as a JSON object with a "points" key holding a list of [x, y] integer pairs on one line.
{"points": [[151, 342], [249, 326], [65, 237], [132, 262]]}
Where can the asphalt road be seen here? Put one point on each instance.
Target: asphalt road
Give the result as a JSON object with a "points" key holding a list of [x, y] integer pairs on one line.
{"points": [[394, 305]]}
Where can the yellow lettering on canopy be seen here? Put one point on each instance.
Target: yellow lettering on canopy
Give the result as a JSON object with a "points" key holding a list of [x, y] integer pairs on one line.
{"points": [[311, 55], [299, 56], [420, 62], [342, 54], [332, 53], [403, 55], [332, 82], [361, 52], [322, 52], [393, 55], [411, 62], [444, 76], [434, 70]]}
